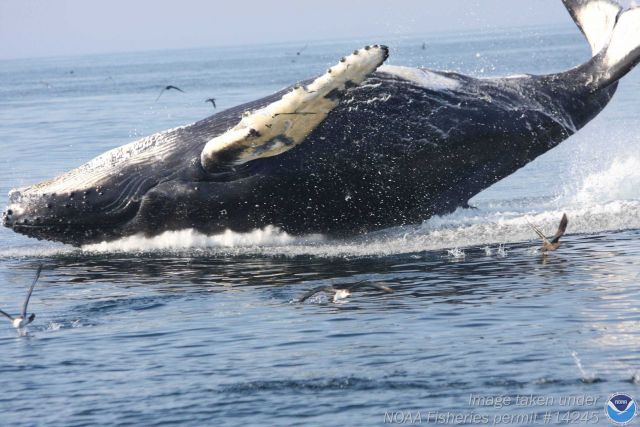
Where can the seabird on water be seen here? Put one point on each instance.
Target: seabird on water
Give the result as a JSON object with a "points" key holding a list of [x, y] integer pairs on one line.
{"points": [[212, 101], [550, 245], [342, 293], [21, 320], [168, 88]]}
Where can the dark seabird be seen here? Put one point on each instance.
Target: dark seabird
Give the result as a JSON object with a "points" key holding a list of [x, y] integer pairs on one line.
{"points": [[212, 101], [342, 293], [21, 320], [550, 245], [298, 53], [424, 46], [168, 88]]}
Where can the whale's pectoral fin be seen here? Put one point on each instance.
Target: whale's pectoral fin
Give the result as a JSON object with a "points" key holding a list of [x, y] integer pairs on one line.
{"points": [[282, 125]]}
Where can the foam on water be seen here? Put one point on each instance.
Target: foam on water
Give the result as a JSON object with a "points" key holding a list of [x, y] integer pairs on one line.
{"points": [[621, 181], [189, 238]]}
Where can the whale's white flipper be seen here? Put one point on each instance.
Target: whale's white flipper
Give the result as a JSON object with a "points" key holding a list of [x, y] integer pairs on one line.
{"points": [[596, 19], [283, 124]]}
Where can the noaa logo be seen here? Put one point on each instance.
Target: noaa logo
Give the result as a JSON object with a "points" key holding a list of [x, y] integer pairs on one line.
{"points": [[621, 408]]}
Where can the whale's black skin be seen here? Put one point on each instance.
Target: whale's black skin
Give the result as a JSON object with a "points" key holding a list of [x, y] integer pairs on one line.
{"points": [[393, 152]]}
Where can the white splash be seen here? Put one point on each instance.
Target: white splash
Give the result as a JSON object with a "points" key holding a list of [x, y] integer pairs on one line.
{"points": [[456, 253], [585, 376], [189, 239], [619, 181], [502, 252], [54, 326]]}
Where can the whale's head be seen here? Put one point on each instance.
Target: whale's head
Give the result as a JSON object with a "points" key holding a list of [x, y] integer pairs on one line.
{"points": [[73, 212], [148, 186], [113, 197], [96, 201]]}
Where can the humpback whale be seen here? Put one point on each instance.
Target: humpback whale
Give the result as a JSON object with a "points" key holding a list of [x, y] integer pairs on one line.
{"points": [[364, 146]]}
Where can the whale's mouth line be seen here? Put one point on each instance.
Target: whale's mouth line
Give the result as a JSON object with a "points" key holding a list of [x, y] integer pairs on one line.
{"points": [[71, 233], [29, 226]]}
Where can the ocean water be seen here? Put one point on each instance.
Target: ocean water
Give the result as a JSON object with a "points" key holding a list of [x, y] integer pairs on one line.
{"points": [[187, 329]]}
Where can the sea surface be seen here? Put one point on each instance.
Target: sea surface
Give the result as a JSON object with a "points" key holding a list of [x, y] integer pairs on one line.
{"points": [[187, 329]]}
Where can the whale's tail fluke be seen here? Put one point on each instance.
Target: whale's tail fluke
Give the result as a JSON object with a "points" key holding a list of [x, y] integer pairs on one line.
{"points": [[596, 19], [614, 36]]}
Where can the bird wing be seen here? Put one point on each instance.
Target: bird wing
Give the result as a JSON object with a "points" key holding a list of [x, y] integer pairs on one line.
{"points": [[366, 284], [539, 233], [169, 88], [314, 291], [26, 301], [561, 229], [6, 315], [160, 94], [286, 123], [213, 101]]}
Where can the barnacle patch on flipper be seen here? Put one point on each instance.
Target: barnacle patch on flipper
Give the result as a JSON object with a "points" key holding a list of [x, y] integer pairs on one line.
{"points": [[283, 124]]}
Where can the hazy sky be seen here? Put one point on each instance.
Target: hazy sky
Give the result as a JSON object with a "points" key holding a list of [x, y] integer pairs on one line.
{"points": [[60, 27]]}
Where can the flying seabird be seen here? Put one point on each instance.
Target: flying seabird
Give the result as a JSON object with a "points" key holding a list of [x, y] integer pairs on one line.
{"points": [[342, 293], [21, 320], [298, 53], [212, 101], [168, 88], [550, 245]]}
